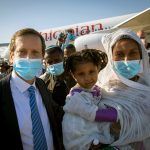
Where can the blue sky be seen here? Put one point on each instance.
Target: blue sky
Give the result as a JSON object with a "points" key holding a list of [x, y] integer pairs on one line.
{"points": [[44, 14]]}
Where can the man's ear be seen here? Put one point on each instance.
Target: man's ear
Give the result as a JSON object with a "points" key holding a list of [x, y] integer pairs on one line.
{"points": [[11, 58]]}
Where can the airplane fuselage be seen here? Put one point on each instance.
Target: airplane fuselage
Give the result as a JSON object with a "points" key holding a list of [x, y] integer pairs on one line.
{"points": [[51, 35]]}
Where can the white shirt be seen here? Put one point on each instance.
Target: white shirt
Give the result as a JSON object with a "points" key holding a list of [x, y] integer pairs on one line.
{"points": [[21, 101]]}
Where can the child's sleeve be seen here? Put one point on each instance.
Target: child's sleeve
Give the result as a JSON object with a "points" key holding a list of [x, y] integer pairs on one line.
{"points": [[77, 105], [106, 115]]}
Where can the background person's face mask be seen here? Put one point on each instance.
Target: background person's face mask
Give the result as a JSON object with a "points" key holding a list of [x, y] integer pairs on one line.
{"points": [[128, 69], [56, 69], [27, 68]]}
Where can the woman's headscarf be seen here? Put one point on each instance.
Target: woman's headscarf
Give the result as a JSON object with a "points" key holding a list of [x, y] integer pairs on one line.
{"points": [[108, 73], [131, 99]]}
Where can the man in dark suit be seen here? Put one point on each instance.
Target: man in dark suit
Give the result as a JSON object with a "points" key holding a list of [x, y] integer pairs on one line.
{"points": [[29, 119]]}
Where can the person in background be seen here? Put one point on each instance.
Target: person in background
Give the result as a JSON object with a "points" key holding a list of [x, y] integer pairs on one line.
{"points": [[68, 51], [4, 67], [29, 119], [70, 37], [142, 35], [61, 40], [54, 77]]}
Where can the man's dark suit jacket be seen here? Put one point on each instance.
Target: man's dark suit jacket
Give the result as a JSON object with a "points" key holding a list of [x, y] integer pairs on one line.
{"points": [[9, 128]]}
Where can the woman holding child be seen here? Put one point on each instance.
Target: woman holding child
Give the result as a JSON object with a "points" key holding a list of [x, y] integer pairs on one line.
{"points": [[125, 84]]}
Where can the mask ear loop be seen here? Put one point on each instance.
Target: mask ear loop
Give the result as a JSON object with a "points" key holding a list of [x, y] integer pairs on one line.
{"points": [[141, 66], [140, 62], [140, 51]]}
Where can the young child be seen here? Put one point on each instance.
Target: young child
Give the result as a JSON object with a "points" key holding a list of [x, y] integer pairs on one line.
{"points": [[80, 132]]}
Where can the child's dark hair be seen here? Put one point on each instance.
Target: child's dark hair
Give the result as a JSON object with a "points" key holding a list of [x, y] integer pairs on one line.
{"points": [[97, 57], [53, 49]]}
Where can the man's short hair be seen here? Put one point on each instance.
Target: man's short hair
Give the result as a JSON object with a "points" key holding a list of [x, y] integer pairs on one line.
{"points": [[53, 49], [26, 31]]}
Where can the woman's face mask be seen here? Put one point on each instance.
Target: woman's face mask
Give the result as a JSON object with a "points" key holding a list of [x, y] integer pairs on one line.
{"points": [[56, 69], [128, 69]]}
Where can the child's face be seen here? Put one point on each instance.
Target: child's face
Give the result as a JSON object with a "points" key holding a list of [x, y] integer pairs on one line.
{"points": [[126, 49], [86, 75]]}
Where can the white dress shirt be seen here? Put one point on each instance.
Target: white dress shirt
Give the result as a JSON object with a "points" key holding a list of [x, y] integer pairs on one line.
{"points": [[21, 101]]}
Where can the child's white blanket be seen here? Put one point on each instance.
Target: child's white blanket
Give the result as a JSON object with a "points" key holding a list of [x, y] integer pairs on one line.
{"points": [[133, 108], [78, 133]]}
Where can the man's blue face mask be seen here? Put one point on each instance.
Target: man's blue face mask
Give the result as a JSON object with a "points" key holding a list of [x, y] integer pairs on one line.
{"points": [[56, 69], [128, 69], [27, 68]]}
